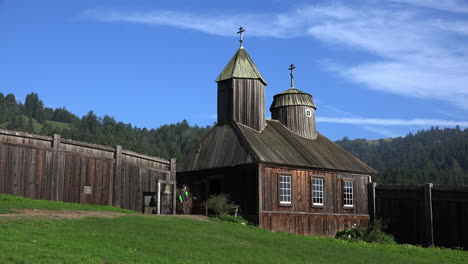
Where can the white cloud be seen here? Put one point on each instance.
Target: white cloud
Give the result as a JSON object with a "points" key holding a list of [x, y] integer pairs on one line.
{"points": [[418, 52], [391, 122], [454, 6], [382, 131]]}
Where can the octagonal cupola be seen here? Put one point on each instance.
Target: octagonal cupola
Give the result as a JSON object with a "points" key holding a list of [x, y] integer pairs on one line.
{"points": [[295, 109]]}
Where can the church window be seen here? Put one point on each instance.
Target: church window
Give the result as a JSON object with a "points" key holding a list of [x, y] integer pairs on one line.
{"points": [[348, 193], [285, 189], [317, 191]]}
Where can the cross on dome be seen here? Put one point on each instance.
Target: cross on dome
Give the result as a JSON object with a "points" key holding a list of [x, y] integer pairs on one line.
{"points": [[241, 30], [291, 68]]}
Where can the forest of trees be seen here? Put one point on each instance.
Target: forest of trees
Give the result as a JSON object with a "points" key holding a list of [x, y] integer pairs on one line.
{"points": [[436, 155], [167, 141]]}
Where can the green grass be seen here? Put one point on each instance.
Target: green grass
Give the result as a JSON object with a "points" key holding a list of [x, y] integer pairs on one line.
{"points": [[38, 126], [9, 202], [146, 239], [149, 239], [58, 124]]}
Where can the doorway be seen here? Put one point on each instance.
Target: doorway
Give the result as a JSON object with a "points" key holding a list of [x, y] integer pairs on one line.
{"points": [[149, 203]]}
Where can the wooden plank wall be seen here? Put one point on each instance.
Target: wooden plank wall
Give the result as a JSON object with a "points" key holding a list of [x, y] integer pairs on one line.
{"points": [[52, 168], [243, 101], [294, 118], [404, 209], [302, 217], [310, 225]]}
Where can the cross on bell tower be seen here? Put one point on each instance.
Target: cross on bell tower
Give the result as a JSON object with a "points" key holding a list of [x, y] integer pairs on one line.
{"points": [[241, 30], [291, 68]]}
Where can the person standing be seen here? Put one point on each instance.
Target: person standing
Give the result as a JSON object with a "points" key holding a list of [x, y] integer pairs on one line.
{"points": [[184, 199]]}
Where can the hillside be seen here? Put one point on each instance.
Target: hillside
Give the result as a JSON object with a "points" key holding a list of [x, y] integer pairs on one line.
{"points": [[167, 239], [436, 155], [167, 141]]}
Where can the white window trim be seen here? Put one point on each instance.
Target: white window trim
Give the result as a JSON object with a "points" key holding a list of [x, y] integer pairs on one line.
{"points": [[322, 191], [290, 189], [352, 194]]}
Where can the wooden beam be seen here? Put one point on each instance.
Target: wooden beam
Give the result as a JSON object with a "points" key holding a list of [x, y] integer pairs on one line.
{"points": [[159, 198], [260, 194], [429, 219], [118, 176], [173, 179], [55, 166], [372, 206]]}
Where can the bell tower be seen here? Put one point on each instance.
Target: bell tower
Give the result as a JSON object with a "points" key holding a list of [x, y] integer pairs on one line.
{"points": [[241, 91]]}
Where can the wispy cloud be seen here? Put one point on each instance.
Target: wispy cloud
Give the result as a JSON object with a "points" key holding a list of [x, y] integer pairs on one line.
{"points": [[455, 6], [382, 131], [391, 122], [269, 25], [418, 52]]}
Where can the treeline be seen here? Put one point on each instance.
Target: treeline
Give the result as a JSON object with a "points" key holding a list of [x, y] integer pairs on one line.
{"points": [[436, 155], [167, 141]]}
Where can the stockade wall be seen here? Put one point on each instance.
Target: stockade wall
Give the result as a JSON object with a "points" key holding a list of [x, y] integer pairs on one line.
{"points": [[52, 168], [424, 215]]}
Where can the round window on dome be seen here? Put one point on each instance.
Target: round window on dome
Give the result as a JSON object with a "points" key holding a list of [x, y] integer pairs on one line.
{"points": [[308, 112]]}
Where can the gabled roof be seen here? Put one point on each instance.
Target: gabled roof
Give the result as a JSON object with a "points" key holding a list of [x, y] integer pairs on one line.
{"points": [[292, 96], [234, 144], [241, 66]]}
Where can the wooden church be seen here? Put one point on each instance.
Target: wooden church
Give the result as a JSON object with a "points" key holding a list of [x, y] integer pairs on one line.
{"points": [[284, 175]]}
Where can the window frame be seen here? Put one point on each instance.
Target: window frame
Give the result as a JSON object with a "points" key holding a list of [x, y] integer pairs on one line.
{"points": [[350, 196], [314, 204], [285, 203]]}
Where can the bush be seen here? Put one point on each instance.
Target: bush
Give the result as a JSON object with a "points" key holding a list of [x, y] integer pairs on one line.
{"points": [[233, 219], [375, 234], [351, 234], [370, 234], [219, 204]]}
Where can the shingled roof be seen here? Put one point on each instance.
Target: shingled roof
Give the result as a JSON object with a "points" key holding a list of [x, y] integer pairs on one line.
{"points": [[234, 144], [292, 96], [241, 66]]}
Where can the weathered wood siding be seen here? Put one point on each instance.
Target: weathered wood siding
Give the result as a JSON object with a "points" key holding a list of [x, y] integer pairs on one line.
{"points": [[295, 118], [302, 217], [51, 168], [406, 211], [243, 101]]}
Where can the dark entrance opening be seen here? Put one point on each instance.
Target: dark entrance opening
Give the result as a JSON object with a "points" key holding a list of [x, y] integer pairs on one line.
{"points": [[149, 203], [214, 187]]}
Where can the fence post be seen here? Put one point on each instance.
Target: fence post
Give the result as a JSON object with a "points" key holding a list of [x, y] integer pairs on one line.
{"points": [[173, 178], [117, 196], [371, 194], [428, 209], [55, 165]]}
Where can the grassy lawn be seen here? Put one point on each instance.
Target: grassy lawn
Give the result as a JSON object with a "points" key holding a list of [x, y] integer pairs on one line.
{"points": [[163, 239], [150, 239], [8, 202]]}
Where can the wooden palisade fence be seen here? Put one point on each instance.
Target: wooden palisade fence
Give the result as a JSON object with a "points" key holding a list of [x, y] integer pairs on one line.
{"points": [[52, 168], [425, 215]]}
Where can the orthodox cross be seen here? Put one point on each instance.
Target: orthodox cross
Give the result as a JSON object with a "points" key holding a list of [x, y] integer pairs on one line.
{"points": [[291, 68], [241, 30]]}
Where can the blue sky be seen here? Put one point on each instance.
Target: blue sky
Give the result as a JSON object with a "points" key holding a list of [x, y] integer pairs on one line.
{"points": [[375, 68]]}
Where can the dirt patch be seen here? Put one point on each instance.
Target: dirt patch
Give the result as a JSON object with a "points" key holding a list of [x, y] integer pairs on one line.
{"points": [[193, 217], [71, 214], [52, 214]]}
